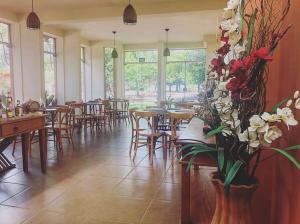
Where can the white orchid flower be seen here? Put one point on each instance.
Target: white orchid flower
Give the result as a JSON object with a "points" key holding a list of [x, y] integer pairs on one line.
{"points": [[249, 136], [232, 4], [297, 104], [289, 103], [270, 117], [296, 94], [287, 116], [228, 13], [272, 134], [258, 124]]}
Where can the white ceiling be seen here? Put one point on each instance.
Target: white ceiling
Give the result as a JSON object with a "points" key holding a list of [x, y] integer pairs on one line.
{"points": [[184, 27], [22, 6]]}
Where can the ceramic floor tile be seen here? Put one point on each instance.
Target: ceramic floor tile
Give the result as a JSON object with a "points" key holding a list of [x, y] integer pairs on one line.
{"points": [[55, 218], [34, 198], [136, 188], [8, 190], [162, 212], [12, 215], [119, 209], [169, 192]]}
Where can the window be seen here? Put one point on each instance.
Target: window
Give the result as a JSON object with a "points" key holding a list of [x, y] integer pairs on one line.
{"points": [[109, 72], [50, 67], [5, 61], [141, 77], [185, 74], [82, 75]]}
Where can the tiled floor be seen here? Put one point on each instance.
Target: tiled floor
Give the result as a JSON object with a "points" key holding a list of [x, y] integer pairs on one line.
{"points": [[96, 183]]}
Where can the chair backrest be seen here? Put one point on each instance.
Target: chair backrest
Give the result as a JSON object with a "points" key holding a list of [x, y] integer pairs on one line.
{"points": [[148, 117], [107, 104], [132, 117], [177, 119], [78, 108], [97, 109], [31, 106], [63, 115], [68, 103]]}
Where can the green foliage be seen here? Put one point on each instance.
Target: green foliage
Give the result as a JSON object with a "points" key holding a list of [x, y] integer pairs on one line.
{"points": [[215, 131], [233, 171], [250, 33], [221, 158], [289, 156], [274, 109]]}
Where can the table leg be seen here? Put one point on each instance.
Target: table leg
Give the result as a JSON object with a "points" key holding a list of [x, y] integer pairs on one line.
{"points": [[185, 194], [43, 148], [25, 147]]}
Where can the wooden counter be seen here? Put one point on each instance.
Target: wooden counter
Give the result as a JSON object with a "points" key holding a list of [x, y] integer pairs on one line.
{"points": [[24, 125], [193, 134]]}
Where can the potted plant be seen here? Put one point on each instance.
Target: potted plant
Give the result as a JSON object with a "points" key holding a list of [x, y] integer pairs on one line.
{"points": [[237, 117]]}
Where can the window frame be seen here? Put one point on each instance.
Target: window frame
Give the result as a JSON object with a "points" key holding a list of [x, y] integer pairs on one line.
{"points": [[113, 73], [9, 46], [83, 72]]}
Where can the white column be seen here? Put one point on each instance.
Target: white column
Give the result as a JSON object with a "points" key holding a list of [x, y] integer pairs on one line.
{"points": [[97, 70], [72, 66]]}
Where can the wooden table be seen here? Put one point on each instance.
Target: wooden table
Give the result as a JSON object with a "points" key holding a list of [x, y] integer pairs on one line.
{"points": [[193, 134], [24, 125]]}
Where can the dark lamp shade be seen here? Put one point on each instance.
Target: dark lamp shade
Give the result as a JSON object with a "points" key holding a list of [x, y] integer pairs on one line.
{"points": [[114, 53], [167, 52], [33, 21], [129, 15]]}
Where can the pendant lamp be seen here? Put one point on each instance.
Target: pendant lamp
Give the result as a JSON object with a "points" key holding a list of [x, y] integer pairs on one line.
{"points": [[167, 50], [129, 15], [33, 21], [114, 53]]}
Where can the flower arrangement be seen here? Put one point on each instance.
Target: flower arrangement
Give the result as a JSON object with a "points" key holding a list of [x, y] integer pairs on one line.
{"points": [[250, 32]]}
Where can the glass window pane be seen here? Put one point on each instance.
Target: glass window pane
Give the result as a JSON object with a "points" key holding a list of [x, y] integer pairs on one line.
{"points": [[5, 63], [109, 72], [141, 56], [50, 67], [4, 33], [185, 74], [82, 77], [141, 77]]}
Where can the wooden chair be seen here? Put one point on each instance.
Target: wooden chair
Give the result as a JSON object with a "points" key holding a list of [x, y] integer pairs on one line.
{"points": [[101, 118], [108, 106], [80, 116], [150, 133], [176, 121], [63, 127], [122, 113], [132, 118]]}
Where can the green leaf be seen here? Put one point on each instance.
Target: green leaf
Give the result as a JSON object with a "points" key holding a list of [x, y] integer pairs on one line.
{"points": [[198, 149], [188, 146], [190, 163], [274, 109], [232, 174], [215, 131], [221, 158], [250, 33], [228, 166], [295, 147], [288, 156]]}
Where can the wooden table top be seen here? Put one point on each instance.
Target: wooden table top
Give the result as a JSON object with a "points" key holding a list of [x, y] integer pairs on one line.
{"points": [[21, 118], [194, 133]]}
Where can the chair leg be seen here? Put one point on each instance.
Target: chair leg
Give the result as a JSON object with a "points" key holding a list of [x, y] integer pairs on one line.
{"points": [[151, 149], [70, 138], [14, 147]]}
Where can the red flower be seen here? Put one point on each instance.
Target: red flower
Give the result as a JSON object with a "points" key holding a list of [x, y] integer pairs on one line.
{"points": [[262, 53], [224, 49]]}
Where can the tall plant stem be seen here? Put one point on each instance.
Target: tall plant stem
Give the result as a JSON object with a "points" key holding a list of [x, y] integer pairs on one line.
{"points": [[256, 164]]}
